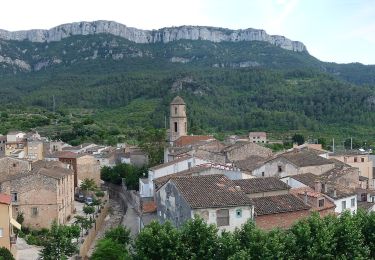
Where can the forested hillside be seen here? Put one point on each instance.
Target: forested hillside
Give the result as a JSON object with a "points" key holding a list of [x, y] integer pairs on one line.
{"points": [[228, 86]]}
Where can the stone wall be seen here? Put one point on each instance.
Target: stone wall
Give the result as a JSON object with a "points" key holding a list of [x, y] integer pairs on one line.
{"points": [[88, 167], [12, 166]]}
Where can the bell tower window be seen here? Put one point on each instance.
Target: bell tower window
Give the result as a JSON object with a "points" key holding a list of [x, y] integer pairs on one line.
{"points": [[175, 127], [175, 110]]}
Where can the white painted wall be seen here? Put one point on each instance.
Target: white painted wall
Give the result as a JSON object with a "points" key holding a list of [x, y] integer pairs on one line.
{"points": [[167, 170], [338, 202], [234, 221], [292, 182]]}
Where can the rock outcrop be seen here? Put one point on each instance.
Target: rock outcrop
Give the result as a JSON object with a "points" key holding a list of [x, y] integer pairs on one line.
{"points": [[164, 35]]}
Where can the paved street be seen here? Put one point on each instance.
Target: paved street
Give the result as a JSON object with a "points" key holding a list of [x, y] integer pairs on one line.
{"points": [[25, 251], [131, 220]]}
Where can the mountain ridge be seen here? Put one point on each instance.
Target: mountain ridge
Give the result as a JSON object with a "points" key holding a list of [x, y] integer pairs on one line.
{"points": [[165, 35]]}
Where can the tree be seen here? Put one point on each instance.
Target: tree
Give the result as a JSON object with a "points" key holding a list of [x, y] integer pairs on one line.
{"points": [[152, 142], [88, 185], [298, 138], [119, 234], [157, 240], [199, 239], [83, 223], [109, 249], [5, 254], [59, 243], [89, 210]]}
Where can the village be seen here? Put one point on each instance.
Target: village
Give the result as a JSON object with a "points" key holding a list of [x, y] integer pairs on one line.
{"points": [[226, 183]]}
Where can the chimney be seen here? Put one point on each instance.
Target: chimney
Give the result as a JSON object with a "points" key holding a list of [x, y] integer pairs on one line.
{"points": [[325, 188], [305, 197], [334, 193], [317, 186]]}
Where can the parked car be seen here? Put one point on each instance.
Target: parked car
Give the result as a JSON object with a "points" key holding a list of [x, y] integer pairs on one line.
{"points": [[79, 197], [88, 200]]}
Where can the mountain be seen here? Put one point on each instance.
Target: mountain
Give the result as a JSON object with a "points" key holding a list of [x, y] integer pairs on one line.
{"points": [[164, 35], [231, 79]]}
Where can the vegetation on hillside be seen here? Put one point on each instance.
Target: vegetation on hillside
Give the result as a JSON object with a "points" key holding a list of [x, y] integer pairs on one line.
{"points": [[127, 88]]}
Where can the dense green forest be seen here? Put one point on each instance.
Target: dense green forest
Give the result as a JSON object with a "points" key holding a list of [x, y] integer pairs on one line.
{"points": [[104, 88]]}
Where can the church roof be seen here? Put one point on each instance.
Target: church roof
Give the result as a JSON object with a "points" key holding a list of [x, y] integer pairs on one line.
{"points": [[178, 101]]}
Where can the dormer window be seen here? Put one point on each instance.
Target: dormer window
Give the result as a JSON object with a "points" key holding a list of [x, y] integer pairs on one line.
{"points": [[321, 203]]}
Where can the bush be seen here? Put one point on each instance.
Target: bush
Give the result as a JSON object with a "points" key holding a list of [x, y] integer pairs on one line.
{"points": [[5, 254]]}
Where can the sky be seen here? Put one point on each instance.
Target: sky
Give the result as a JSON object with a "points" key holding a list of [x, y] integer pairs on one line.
{"points": [[341, 31]]}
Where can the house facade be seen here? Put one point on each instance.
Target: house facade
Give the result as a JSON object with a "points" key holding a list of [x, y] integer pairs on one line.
{"points": [[360, 161], [7, 237], [213, 198], [258, 137], [43, 194], [146, 185]]}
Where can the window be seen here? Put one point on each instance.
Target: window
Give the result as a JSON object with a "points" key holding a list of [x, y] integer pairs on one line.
{"points": [[14, 196], [1, 232], [239, 213], [343, 205], [362, 159], [175, 127], [321, 203], [352, 202], [323, 187], [14, 165], [175, 110], [280, 168], [34, 212], [189, 165], [222, 217], [262, 174], [355, 159]]}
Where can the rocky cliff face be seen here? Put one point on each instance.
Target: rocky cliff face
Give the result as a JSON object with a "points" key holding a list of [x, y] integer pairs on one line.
{"points": [[164, 35]]}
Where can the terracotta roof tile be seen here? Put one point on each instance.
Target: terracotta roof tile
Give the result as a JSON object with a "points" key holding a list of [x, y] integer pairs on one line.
{"points": [[278, 204], [210, 191], [304, 158], [256, 185], [191, 139], [250, 163], [5, 198]]}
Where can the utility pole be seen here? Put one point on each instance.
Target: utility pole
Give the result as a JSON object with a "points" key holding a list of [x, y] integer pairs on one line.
{"points": [[165, 121], [351, 143], [53, 104], [333, 145]]}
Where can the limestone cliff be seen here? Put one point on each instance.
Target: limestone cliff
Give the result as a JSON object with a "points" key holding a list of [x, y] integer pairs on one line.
{"points": [[164, 35]]}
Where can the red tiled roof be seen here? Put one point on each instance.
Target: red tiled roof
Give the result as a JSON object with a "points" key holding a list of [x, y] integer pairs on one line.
{"points": [[278, 204], [191, 139], [65, 154], [5, 198], [210, 191], [262, 134], [149, 207], [256, 185]]}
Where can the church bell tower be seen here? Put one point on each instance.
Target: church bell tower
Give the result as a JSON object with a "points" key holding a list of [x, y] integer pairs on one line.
{"points": [[178, 120]]}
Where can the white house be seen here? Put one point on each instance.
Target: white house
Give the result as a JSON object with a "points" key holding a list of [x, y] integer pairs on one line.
{"points": [[146, 185], [215, 198]]}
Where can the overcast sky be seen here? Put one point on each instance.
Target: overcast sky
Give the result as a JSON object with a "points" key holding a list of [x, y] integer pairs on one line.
{"points": [[333, 30]]}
